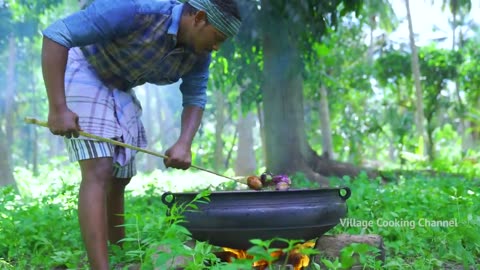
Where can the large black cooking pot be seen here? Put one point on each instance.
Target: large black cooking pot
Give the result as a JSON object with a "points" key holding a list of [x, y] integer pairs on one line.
{"points": [[232, 218]]}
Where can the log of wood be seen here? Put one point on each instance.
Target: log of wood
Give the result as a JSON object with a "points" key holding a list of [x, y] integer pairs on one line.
{"points": [[330, 246]]}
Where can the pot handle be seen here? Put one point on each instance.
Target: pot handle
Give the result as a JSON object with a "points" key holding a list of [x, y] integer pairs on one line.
{"points": [[165, 201], [347, 194]]}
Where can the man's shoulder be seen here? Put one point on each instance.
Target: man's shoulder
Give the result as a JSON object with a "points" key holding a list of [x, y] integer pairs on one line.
{"points": [[156, 6]]}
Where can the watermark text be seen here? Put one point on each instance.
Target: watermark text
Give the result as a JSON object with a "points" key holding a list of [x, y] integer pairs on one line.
{"points": [[398, 223]]}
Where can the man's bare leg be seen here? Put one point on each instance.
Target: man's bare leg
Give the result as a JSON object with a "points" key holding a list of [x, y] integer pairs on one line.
{"points": [[92, 214], [116, 210]]}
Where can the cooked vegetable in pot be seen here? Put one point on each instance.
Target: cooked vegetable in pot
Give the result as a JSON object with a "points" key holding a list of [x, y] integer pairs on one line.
{"points": [[269, 181], [254, 182]]}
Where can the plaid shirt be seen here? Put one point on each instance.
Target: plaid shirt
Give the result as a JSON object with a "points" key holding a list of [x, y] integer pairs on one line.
{"points": [[131, 42]]}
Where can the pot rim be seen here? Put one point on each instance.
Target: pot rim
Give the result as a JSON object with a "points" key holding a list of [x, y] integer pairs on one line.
{"points": [[344, 197], [347, 190]]}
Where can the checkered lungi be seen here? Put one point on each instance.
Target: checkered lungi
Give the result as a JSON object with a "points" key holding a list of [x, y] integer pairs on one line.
{"points": [[105, 112]]}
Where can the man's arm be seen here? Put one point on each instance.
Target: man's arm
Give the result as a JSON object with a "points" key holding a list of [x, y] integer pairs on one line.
{"points": [[61, 120], [180, 154], [100, 21], [191, 119], [194, 94]]}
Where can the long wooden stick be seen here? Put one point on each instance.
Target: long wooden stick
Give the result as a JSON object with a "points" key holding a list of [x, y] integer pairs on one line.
{"points": [[114, 142]]}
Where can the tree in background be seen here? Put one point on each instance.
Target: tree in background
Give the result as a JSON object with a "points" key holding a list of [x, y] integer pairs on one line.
{"points": [[378, 14], [440, 66], [338, 74], [20, 22], [469, 81], [299, 70], [393, 74], [287, 30], [460, 10], [419, 114]]}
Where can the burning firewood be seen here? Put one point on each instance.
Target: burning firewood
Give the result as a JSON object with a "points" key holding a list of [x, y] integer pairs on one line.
{"points": [[294, 257]]}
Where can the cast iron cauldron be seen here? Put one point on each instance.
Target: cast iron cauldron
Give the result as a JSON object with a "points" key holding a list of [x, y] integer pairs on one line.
{"points": [[232, 218]]}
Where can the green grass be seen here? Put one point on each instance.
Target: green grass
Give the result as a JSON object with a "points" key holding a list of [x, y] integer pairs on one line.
{"points": [[40, 230], [405, 214]]}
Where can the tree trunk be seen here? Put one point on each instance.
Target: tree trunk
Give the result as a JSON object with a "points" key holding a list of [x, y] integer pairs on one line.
{"points": [[245, 163], [454, 29], [151, 161], [6, 173], [10, 95], [430, 146], [34, 140], [35, 152], [56, 145], [325, 124], [262, 131], [287, 150], [168, 127], [464, 125], [419, 114], [283, 100], [371, 45], [219, 125], [6, 135]]}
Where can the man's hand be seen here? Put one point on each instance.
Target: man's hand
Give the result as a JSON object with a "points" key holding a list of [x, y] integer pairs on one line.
{"points": [[64, 123], [179, 156]]}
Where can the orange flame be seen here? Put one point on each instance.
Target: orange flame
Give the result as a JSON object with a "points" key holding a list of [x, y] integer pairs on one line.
{"points": [[300, 260], [295, 258]]}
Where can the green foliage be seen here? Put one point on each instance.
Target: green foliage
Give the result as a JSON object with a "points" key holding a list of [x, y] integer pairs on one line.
{"points": [[366, 124], [299, 180], [400, 212], [339, 64], [392, 67], [39, 232], [380, 14], [354, 254], [23, 17], [159, 239], [440, 68], [469, 78], [42, 231], [457, 7]]}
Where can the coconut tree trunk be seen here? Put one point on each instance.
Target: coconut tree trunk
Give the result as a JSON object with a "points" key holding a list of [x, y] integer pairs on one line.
{"points": [[245, 163], [464, 124], [6, 173], [151, 161], [219, 125], [325, 124], [371, 45], [167, 130], [10, 91], [262, 130], [34, 139], [419, 113], [6, 136]]}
